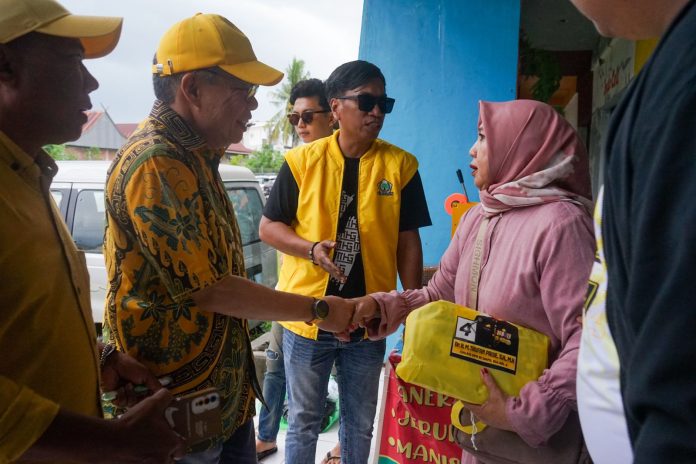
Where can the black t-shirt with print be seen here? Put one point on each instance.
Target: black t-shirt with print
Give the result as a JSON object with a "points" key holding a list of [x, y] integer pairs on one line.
{"points": [[282, 206], [347, 252]]}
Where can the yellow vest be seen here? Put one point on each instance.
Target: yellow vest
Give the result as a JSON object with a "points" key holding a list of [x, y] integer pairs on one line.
{"points": [[318, 170]]}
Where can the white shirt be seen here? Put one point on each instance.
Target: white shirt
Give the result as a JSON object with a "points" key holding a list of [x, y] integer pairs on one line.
{"points": [[599, 393]]}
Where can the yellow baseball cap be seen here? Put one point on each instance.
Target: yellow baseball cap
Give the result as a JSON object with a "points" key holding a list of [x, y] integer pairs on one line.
{"points": [[98, 34], [208, 40]]}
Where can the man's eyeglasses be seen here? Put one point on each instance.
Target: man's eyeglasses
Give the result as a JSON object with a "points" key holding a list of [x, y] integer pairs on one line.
{"points": [[366, 102], [306, 116], [237, 83], [251, 91]]}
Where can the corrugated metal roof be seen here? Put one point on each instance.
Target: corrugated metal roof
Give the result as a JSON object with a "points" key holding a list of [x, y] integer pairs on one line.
{"points": [[94, 122], [126, 129], [239, 148], [99, 132], [92, 118]]}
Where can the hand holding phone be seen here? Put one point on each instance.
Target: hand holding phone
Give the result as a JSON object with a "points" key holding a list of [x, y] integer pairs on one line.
{"points": [[114, 407], [196, 416]]}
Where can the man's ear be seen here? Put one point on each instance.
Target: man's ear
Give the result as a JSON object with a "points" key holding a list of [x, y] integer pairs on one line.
{"points": [[335, 103], [189, 89]]}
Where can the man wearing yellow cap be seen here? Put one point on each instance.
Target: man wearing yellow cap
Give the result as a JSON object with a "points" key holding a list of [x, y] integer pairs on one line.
{"points": [[50, 364], [178, 297]]}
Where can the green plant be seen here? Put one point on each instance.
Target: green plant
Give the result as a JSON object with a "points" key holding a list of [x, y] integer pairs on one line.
{"points": [[93, 153], [238, 160], [259, 330], [265, 160], [542, 64], [59, 153]]}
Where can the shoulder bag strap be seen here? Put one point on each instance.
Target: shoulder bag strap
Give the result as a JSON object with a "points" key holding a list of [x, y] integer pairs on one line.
{"points": [[475, 276]]}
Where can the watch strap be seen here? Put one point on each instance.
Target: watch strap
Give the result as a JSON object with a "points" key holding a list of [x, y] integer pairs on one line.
{"points": [[106, 352]]}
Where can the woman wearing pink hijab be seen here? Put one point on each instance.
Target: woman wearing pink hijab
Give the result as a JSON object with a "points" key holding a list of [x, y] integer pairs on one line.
{"points": [[537, 250]]}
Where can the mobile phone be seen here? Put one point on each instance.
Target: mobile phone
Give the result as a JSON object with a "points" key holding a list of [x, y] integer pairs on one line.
{"points": [[196, 416]]}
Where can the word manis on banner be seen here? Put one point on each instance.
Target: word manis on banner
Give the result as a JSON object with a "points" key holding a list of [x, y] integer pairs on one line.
{"points": [[416, 427]]}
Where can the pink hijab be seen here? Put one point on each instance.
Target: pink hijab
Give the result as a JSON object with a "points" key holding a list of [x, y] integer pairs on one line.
{"points": [[534, 157]]}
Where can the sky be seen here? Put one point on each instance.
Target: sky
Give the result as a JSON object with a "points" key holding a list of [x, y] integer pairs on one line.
{"points": [[323, 33]]}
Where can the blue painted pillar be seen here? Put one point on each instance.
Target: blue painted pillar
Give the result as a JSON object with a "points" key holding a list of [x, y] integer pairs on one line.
{"points": [[440, 57]]}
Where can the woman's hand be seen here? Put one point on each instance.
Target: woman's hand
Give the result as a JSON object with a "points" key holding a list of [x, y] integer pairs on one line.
{"points": [[366, 309], [492, 412]]}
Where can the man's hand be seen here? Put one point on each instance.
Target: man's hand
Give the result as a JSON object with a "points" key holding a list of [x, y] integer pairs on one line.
{"points": [[340, 314], [145, 435], [366, 309], [141, 435], [121, 373], [492, 412], [322, 257]]}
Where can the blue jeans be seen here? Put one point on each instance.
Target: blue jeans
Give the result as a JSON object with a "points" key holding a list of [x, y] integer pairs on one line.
{"points": [[240, 448], [307, 368], [273, 387]]}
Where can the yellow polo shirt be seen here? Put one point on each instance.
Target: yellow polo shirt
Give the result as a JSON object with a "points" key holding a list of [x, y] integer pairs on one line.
{"points": [[48, 354]]}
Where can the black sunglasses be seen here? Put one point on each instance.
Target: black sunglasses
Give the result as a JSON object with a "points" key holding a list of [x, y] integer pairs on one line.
{"points": [[306, 116], [366, 102]]}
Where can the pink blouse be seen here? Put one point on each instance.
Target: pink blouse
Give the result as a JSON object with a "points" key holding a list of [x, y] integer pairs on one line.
{"points": [[534, 272]]}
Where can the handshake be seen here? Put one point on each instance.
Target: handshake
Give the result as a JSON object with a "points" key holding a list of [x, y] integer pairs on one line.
{"points": [[347, 315]]}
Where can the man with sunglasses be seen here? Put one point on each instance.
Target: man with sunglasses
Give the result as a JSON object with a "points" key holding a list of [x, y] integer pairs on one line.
{"points": [[312, 119], [178, 296], [348, 215], [311, 114]]}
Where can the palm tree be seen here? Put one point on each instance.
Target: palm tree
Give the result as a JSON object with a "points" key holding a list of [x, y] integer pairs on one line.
{"points": [[294, 73]]}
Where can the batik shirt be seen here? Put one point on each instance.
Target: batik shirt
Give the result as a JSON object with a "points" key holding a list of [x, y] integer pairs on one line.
{"points": [[171, 230]]}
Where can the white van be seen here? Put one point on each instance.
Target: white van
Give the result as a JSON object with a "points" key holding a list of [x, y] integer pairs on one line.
{"points": [[78, 190], [266, 181]]}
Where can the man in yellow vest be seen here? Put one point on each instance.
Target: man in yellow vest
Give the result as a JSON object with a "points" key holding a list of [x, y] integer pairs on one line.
{"points": [[312, 119], [345, 210]]}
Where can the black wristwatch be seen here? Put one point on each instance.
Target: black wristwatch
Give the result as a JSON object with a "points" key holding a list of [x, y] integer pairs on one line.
{"points": [[320, 311], [106, 352]]}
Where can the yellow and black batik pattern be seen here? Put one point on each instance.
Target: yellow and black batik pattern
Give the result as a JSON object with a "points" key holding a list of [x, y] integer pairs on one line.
{"points": [[171, 230]]}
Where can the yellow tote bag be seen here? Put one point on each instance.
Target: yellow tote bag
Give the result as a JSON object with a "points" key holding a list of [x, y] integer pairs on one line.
{"points": [[446, 345]]}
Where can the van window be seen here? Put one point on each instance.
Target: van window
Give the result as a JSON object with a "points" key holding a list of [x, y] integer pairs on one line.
{"points": [[248, 208], [61, 197], [57, 197], [89, 220]]}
